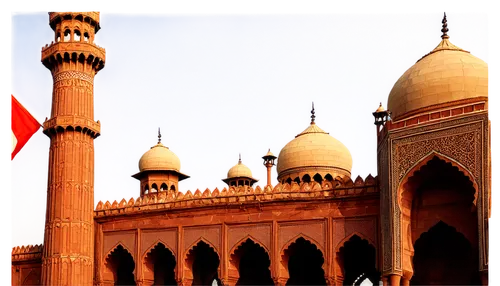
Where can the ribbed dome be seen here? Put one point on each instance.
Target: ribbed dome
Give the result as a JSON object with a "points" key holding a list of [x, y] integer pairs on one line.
{"points": [[159, 158], [314, 149], [446, 76]]}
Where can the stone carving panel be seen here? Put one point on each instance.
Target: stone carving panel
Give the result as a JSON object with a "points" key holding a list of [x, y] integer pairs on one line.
{"points": [[385, 207], [261, 232], [459, 139], [167, 237], [73, 75], [126, 238], [212, 234], [312, 229]]}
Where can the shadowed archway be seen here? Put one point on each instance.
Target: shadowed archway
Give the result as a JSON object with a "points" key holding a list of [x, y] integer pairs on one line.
{"points": [[121, 264], [357, 259], [305, 263], [204, 263], [444, 256], [439, 190], [160, 262], [252, 262]]}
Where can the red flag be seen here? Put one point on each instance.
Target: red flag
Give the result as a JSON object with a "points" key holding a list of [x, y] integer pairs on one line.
{"points": [[24, 125]]}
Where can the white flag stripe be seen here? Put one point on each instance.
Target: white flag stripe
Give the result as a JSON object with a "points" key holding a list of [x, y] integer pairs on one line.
{"points": [[14, 141], [25, 107]]}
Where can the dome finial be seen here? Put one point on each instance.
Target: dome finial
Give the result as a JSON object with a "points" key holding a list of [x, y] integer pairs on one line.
{"points": [[445, 28], [159, 136], [239, 160], [312, 114]]}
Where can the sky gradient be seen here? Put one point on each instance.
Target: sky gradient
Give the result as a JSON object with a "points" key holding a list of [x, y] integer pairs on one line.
{"points": [[220, 85]]}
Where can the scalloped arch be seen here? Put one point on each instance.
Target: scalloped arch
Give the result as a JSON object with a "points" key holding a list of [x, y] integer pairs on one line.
{"points": [[243, 240], [189, 250], [347, 238], [423, 161], [153, 245], [306, 237], [114, 247]]}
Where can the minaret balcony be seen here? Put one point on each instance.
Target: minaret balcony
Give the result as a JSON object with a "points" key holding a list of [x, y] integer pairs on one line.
{"points": [[87, 49], [76, 122]]}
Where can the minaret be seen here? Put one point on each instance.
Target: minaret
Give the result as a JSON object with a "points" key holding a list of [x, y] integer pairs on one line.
{"points": [[73, 59], [269, 163]]}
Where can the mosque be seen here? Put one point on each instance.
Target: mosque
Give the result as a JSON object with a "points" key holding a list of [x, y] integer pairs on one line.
{"points": [[423, 220]]}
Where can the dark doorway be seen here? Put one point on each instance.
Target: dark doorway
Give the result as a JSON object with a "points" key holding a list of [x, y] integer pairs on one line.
{"points": [[122, 264], [253, 264], [205, 263], [444, 256], [162, 262], [357, 259], [305, 263]]}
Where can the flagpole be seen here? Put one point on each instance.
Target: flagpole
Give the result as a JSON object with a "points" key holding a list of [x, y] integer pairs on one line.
{"points": [[11, 204]]}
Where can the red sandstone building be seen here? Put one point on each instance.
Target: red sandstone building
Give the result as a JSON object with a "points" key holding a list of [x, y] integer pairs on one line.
{"points": [[423, 220]]}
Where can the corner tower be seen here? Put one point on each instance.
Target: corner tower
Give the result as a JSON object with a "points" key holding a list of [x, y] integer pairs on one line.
{"points": [[73, 59]]}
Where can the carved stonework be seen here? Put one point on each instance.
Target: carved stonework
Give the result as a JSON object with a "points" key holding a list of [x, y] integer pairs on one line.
{"points": [[73, 75], [385, 207], [463, 140]]}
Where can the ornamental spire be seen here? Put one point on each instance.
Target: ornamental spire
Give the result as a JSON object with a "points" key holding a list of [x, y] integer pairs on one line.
{"points": [[239, 160], [312, 114], [445, 28], [159, 136]]}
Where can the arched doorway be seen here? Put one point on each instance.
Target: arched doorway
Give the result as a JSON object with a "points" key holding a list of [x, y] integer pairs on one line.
{"points": [[121, 264], [305, 263], [438, 198], [204, 263], [252, 262], [357, 259], [160, 263], [444, 256]]}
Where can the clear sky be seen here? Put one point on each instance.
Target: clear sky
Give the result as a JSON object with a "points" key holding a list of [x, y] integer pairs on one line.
{"points": [[221, 84]]}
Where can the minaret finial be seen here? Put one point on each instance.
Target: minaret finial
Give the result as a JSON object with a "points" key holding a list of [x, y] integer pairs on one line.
{"points": [[312, 114], [445, 28], [159, 136]]}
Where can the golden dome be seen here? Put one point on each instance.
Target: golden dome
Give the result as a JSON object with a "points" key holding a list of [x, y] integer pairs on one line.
{"points": [[314, 150], [239, 170], [444, 77], [159, 158]]}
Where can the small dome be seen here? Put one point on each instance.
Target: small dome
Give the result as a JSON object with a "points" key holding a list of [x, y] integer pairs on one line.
{"points": [[444, 77], [159, 158], [314, 151], [239, 170]]}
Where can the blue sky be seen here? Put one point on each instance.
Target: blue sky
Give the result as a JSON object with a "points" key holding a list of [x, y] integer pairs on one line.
{"points": [[222, 84]]}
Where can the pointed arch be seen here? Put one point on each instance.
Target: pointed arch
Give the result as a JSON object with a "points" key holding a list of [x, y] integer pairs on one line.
{"points": [[153, 245], [163, 187], [301, 235], [347, 238], [119, 243], [189, 250], [159, 264], [423, 161], [243, 240], [318, 178]]}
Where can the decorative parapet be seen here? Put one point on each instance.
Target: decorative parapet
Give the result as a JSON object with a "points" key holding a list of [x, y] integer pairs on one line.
{"points": [[339, 188], [25, 253]]}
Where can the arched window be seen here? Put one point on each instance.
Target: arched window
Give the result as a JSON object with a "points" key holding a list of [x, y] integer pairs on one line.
{"points": [[318, 178], [172, 188], [146, 189], [163, 187], [297, 180], [306, 178], [289, 181], [86, 37], [67, 35], [154, 188], [76, 35]]}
